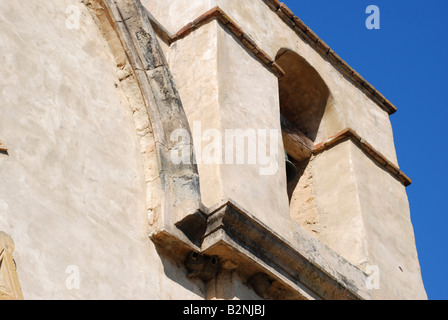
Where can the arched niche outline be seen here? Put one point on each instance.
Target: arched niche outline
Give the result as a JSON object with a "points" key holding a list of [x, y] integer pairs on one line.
{"points": [[304, 97]]}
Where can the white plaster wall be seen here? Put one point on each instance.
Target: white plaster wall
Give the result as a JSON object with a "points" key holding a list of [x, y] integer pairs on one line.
{"points": [[346, 188], [72, 189], [248, 99], [364, 216], [388, 228]]}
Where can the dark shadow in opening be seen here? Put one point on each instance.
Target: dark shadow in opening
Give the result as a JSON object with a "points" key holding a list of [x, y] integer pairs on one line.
{"points": [[303, 93]]}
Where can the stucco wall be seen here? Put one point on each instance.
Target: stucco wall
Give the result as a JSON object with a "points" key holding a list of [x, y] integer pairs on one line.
{"points": [[72, 187], [363, 214], [351, 107], [344, 186], [194, 67], [224, 88], [74, 184]]}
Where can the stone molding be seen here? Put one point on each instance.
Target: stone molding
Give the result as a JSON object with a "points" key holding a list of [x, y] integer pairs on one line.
{"points": [[376, 156], [288, 17], [305, 269], [3, 147]]}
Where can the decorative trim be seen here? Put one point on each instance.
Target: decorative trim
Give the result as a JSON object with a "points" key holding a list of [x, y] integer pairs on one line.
{"points": [[9, 281], [379, 158], [302, 268], [305, 269], [127, 27], [218, 14], [294, 23]]}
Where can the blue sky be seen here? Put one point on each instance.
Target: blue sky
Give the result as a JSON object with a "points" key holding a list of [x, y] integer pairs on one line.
{"points": [[406, 60]]}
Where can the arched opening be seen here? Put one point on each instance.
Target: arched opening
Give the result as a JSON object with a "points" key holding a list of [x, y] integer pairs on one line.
{"points": [[303, 99], [303, 93]]}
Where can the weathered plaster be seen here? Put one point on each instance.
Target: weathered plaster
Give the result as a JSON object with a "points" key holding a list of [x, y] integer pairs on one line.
{"points": [[73, 186]]}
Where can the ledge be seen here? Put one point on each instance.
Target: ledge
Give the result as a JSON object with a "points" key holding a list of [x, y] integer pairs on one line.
{"points": [[379, 158]]}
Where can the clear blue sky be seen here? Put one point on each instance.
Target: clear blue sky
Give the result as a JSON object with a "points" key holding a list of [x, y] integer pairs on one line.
{"points": [[406, 60]]}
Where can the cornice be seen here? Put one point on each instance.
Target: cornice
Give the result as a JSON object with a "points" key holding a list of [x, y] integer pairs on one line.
{"points": [[374, 154], [288, 17], [305, 269]]}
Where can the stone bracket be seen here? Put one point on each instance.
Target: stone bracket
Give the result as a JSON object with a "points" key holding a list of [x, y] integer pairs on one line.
{"points": [[302, 270], [202, 266]]}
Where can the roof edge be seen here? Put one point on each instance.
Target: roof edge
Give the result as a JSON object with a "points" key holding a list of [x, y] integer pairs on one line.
{"points": [[324, 50]]}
